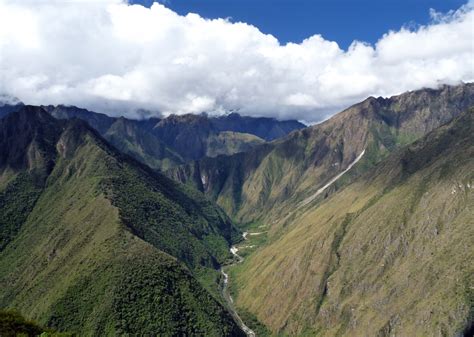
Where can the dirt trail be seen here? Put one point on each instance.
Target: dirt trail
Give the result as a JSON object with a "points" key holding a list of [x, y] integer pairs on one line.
{"points": [[332, 181]]}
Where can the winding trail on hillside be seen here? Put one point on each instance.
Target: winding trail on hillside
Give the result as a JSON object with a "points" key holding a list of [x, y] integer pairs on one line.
{"points": [[332, 181], [226, 294]]}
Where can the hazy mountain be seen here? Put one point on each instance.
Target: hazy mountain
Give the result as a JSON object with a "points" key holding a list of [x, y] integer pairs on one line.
{"points": [[132, 137], [267, 182], [94, 242], [196, 136], [9, 104], [265, 128], [388, 255]]}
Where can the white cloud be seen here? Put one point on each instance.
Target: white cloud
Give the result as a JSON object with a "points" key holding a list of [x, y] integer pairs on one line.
{"points": [[114, 57]]}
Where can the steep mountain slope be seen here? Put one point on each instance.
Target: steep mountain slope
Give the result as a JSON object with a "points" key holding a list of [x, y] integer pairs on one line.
{"points": [[187, 134], [94, 242], [98, 121], [390, 254], [269, 181], [132, 137]]}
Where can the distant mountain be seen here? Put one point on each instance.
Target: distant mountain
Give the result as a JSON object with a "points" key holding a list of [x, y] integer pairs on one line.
{"points": [[269, 181], [175, 140], [389, 254], [93, 242], [265, 128], [196, 136], [9, 104], [132, 137]]}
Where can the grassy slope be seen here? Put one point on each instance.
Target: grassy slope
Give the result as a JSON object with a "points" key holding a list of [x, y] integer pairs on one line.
{"points": [[229, 142], [389, 254], [76, 263]]}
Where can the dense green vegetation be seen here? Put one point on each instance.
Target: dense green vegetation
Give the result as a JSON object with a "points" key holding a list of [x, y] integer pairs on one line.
{"points": [[178, 306], [13, 324], [16, 202], [88, 256], [173, 218]]}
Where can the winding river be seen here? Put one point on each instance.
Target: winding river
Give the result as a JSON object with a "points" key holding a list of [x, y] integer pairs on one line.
{"points": [[226, 294]]}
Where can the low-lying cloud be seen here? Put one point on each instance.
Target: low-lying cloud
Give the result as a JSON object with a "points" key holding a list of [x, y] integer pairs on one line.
{"points": [[114, 57]]}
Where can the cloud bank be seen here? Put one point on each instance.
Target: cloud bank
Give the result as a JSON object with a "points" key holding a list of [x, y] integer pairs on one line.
{"points": [[114, 57]]}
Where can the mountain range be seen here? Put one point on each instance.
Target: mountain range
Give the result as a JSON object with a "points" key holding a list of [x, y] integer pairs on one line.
{"points": [[162, 143], [389, 254], [265, 183], [361, 225]]}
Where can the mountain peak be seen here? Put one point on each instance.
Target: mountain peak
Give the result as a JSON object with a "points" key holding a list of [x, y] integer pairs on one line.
{"points": [[27, 139], [31, 111], [9, 100]]}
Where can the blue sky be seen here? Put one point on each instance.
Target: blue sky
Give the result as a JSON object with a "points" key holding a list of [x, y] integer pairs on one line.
{"points": [[337, 20]]}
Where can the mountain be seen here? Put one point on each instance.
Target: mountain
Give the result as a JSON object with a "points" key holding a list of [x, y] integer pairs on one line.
{"points": [[265, 128], [96, 243], [9, 104], [132, 137], [175, 140], [266, 183], [229, 142], [195, 137], [389, 254]]}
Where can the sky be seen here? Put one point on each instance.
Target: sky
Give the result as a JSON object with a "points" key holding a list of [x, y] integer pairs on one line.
{"points": [[342, 21], [287, 59]]}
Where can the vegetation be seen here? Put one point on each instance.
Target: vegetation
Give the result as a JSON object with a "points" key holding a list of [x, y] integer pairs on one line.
{"points": [[388, 254], [268, 182], [95, 243], [88, 256], [175, 140], [13, 324], [155, 209], [16, 202], [228, 142]]}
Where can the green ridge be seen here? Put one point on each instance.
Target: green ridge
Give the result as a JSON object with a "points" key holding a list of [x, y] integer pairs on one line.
{"points": [[103, 246]]}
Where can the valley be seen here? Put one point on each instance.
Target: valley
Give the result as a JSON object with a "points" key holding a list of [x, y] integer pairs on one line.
{"points": [[225, 288], [236, 168], [317, 233]]}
